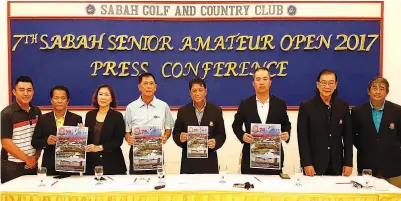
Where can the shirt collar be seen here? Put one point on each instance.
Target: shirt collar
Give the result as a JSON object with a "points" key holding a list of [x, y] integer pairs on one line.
{"points": [[323, 103], [152, 103], [203, 108], [17, 107], [267, 101], [381, 108], [54, 113]]}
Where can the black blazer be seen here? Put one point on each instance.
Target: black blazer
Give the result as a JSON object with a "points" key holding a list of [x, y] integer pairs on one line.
{"points": [[317, 140], [248, 113], [213, 118], [111, 138], [45, 127], [378, 151]]}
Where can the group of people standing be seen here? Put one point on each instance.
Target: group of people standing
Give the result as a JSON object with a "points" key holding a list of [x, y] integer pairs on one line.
{"points": [[326, 129]]}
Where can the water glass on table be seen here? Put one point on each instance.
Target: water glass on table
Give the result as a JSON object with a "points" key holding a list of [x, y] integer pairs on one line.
{"points": [[367, 177], [98, 174], [298, 174], [42, 173], [160, 174], [222, 173]]}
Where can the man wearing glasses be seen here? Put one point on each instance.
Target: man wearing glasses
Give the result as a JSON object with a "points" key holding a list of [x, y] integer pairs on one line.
{"points": [[147, 110], [325, 131], [377, 133]]}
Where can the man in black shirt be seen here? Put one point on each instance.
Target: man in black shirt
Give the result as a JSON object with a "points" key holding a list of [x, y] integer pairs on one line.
{"points": [[324, 130]]}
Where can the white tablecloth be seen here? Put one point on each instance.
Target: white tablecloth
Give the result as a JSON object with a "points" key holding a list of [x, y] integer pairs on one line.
{"points": [[317, 184]]}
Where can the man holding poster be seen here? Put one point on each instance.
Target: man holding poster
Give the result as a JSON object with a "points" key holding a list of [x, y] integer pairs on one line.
{"points": [[267, 110], [147, 110], [44, 136], [199, 131]]}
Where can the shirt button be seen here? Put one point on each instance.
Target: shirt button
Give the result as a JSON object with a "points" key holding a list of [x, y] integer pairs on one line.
{"points": [[330, 134], [328, 147], [101, 156]]}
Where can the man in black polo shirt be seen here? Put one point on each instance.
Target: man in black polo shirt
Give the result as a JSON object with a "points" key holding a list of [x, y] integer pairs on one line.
{"points": [[18, 121]]}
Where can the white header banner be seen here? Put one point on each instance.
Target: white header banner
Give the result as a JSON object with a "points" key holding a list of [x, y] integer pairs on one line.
{"points": [[187, 10]]}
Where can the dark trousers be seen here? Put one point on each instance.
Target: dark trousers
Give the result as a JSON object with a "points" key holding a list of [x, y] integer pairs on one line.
{"points": [[330, 170], [11, 170]]}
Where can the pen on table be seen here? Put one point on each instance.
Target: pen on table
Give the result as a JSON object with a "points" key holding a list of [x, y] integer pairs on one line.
{"points": [[257, 179], [110, 178], [54, 183], [135, 180]]}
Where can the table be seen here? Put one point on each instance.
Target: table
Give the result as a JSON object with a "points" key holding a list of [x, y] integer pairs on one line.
{"points": [[195, 188]]}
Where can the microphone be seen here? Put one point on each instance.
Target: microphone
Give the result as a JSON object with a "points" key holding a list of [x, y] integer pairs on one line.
{"points": [[245, 185]]}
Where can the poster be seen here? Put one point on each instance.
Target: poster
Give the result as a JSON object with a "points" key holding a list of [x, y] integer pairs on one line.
{"points": [[148, 149], [197, 142], [70, 149], [265, 148]]}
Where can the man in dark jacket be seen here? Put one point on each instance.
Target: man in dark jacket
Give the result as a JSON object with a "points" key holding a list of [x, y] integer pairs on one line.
{"points": [[260, 108], [377, 133], [200, 112], [325, 130]]}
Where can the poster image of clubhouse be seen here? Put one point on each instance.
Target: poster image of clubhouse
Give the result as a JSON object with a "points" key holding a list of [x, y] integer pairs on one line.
{"points": [[265, 148], [148, 149], [70, 149], [197, 142]]}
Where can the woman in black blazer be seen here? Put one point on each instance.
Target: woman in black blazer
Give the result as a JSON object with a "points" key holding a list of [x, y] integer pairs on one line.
{"points": [[106, 129]]}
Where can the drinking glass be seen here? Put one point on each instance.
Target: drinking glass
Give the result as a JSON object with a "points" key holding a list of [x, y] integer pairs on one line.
{"points": [[298, 174], [222, 173], [42, 173], [98, 174], [367, 177]]}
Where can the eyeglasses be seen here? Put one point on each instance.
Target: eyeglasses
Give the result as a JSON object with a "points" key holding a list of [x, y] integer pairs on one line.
{"points": [[324, 83]]}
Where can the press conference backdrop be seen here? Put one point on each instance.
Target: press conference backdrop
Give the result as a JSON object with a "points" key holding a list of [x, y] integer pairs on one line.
{"points": [[82, 54]]}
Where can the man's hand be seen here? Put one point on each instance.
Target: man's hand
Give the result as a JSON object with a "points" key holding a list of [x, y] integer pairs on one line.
{"points": [[247, 138], [183, 137], [90, 148], [211, 143], [347, 171], [284, 136], [164, 138], [31, 162], [51, 140], [130, 139], [309, 170]]}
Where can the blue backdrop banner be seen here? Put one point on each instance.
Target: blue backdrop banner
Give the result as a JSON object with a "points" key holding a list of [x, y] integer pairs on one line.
{"points": [[82, 54]]}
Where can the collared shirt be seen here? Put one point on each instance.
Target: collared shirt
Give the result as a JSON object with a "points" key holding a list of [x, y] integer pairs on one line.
{"points": [[328, 109], [263, 109], [60, 121], [199, 113], [377, 115], [18, 125], [156, 113]]}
